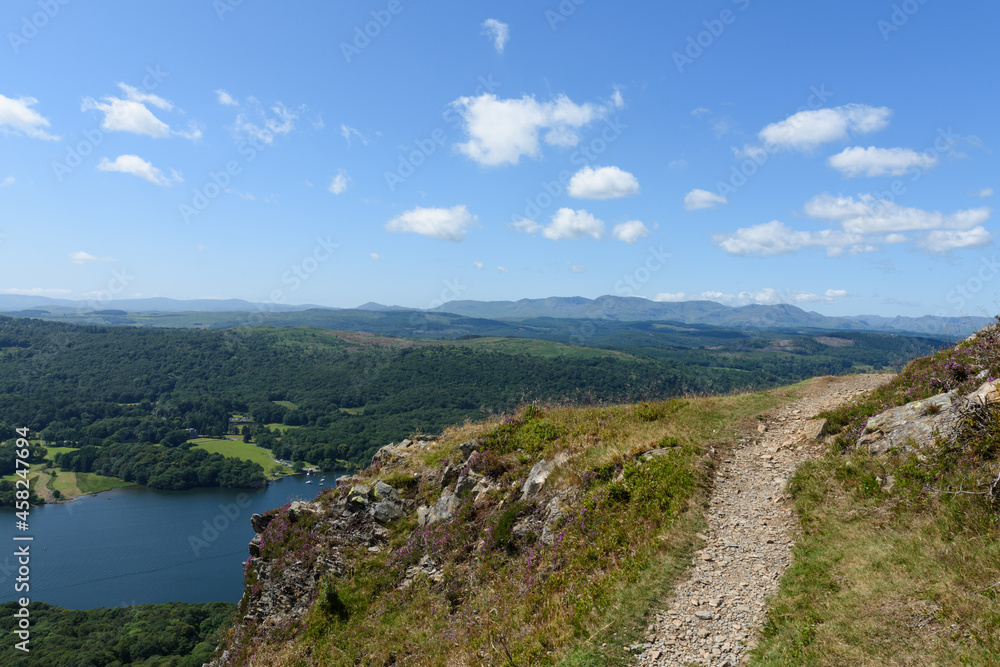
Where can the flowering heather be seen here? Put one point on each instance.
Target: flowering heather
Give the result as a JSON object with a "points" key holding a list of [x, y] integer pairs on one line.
{"points": [[962, 367]]}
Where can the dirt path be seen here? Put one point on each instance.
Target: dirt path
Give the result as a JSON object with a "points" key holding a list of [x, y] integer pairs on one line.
{"points": [[713, 616]]}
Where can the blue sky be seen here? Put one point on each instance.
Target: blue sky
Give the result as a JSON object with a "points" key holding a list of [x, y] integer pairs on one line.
{"points": [[837, 156]]}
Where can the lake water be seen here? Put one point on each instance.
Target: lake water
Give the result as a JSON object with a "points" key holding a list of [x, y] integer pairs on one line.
{"points": [[137, 545]]}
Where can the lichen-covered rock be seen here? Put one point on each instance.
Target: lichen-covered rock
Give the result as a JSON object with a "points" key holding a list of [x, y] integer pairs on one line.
{"points": [[444, 508], [913, 426], [539, 475]]}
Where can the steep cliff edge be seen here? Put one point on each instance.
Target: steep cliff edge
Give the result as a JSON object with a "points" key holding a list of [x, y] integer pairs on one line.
{"points": [[522, 539], [551, 537]]}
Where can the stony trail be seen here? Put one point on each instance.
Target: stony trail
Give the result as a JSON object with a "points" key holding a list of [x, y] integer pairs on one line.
{"points": [[712, 617]]}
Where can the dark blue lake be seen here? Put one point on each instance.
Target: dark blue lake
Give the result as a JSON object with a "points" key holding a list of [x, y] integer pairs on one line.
{"points": [[136, 545]]}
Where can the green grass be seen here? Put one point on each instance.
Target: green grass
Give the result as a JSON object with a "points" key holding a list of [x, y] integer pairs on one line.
{"points": [[353, 411], [627, 534], [72, 484], [277, 426], [52, 451], [907, 575], [287, 404], [237, 449]]}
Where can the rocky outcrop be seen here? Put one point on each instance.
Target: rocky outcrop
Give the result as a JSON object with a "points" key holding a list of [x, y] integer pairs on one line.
{"points": [[917, 425], [539, 475]]}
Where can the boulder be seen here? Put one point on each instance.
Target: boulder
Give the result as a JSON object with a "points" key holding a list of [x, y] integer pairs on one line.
{"points": [[386, 505], [912, 426], [539, 475], [259, 522], [444, 508], [468, 447]]}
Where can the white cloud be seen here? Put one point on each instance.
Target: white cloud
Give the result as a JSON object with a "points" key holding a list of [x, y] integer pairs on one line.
{"points": [[280, 121], [7, 182], [578, 268], [225, 98], [945, 240], [603, 183], [807, 129], [339, 183], [570, 224], [630, 231], [130, 114], [446, 224], [678, 164], [17, 116], [525, 226], [701, 199], [502, 269], [985, 193], [497, 31], [502, 131], [81, 257], [866, 222], [869, 215], [135, 165], [700, 111], [775, 238], [375, 256], [767, 296], [348, 132], [478, 265], [872, 161]]}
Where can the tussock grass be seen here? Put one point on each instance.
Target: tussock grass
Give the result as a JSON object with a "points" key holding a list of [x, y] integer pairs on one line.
{"points": [[504, 597], [900, 559]]}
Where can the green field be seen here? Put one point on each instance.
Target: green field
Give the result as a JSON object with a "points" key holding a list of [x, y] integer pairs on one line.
{"points": [[276, 426], [287, 404], [237, 449], [82, 483], [353, 411], [52, 451]]}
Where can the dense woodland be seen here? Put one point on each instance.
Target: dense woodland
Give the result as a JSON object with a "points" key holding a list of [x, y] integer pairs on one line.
{"points": [[166, 635], [129, 398]]}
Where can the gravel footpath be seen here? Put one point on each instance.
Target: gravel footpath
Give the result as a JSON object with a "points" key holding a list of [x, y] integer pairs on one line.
{"points": [[713, 616]]}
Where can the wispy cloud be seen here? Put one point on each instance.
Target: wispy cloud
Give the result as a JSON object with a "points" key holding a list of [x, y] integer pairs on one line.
{"points": [[698, 199], [498, 32], [339, 182], [81, 257], [17, 117], [130, 113], [135, 165], [872, 161]]}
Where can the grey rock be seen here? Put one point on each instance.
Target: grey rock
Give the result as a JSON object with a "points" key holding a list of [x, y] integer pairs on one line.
{"points": [[443, 509], [911, 427], [259, 522], [467, 448], [539, 475]]}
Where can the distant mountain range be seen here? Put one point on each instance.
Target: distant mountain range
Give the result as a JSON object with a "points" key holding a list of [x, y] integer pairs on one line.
{"points": [[605, 308], [19, 302]]}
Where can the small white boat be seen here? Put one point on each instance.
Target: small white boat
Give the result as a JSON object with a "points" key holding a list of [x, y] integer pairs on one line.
{"points": [[309, 482]]}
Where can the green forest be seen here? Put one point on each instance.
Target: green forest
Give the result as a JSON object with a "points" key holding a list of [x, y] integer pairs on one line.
{"points": [[165, 635], [130, 399]]}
